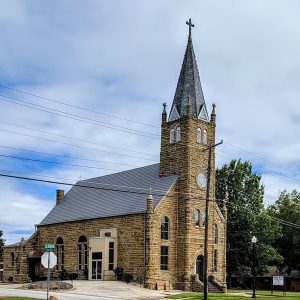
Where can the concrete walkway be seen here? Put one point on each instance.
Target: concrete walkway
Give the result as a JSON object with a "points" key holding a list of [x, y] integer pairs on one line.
{"points": [[90, 290]]}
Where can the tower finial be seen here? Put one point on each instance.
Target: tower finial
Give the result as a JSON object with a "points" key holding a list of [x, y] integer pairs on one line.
{"points": [[213, 114], [190, 27]]}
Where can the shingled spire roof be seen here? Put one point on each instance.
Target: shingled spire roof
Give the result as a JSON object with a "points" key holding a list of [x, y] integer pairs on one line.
{"points": [[189, 86]]}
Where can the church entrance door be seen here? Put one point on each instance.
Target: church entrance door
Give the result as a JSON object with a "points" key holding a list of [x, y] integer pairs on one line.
{"points": [[97, 265], [200, 267]]}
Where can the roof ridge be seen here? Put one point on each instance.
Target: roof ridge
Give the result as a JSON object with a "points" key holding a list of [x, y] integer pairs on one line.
{"points": [[107, 175]]}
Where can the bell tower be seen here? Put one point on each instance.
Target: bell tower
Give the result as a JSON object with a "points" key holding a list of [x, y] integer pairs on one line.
{"points": [[185, 135]]}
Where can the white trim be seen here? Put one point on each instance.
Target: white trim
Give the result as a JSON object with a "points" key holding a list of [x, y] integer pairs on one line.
{"points": [[174, 115], [203, 115], [166, 194]]}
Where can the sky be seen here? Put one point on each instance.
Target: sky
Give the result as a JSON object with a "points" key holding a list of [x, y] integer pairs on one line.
{"points": [[102, 70]]}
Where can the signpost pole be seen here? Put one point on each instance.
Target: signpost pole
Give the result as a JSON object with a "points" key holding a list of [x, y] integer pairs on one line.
{"points": [[48, 277]]}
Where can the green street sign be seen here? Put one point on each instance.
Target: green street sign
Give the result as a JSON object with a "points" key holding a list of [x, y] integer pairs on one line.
{"points": [[49, 247]]}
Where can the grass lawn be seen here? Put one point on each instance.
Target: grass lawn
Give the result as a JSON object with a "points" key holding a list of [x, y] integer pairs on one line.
{"points": [[261, 295], [16, 298]]}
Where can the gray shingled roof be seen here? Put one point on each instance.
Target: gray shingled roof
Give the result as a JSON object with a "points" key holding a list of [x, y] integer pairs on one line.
{"points": [[189, 84], [114, 198]]}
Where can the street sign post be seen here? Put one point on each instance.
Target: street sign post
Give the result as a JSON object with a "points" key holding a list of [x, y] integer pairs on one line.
{"points": [[49, 247], [48, 260], [278, 281]]}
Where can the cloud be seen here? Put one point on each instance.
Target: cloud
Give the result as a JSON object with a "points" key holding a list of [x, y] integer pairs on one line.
{"points": [[123, 59]]}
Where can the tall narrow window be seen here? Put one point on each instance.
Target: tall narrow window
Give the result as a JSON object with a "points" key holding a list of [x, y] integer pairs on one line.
{"points": [[204, 218], [197, 217], [216, 234], [172, 136], [12, 259], [164, 228], [164, 257], [198, 136], [111, 256], [215, 260], [60, 254], [204, 136], [82, 250], [178, 134]]}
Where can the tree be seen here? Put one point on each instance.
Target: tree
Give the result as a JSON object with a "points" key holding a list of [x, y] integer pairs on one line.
{"points": [[1, 244], [242, 191], [287, 208]]}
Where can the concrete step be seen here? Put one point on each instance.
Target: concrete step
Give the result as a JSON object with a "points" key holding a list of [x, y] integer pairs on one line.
{"points": [[213, 289]]}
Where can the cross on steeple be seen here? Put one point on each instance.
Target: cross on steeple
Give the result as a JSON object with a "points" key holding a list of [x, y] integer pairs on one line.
{"points": [[190, 26]]}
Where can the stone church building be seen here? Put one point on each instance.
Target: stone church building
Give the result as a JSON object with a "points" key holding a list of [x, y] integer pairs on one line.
{"points": [[147, 222]]}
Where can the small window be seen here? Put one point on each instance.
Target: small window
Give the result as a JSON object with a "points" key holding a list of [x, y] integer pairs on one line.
{"points": [[12, 259], [204, 218], [198, 136], [107, 234], [216, 234], [197, 217], [96, 255], [215, 261], [111, 256], [82, 252], [204, 137], [172, 136], [165, 228], [60, 254], [178, 134], [164, 257]]}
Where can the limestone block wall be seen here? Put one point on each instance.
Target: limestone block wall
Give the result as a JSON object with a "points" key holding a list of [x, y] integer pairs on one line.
{"points": [[17, 271], [130, 236]]}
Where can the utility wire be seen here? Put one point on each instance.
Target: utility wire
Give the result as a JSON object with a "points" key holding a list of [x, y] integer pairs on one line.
{"points": [[79, 184], [73, 145], [77, 107], [68, 156], [112, 116], [80, 118], [281, 176], [57, 163], [261, 158], [76, 139]]}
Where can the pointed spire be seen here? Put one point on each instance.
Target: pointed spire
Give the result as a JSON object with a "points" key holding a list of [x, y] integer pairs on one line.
{"points": [[188, 85]]}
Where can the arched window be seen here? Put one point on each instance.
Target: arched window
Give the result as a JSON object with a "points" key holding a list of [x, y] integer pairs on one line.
{"points": [[172, 136], [198, 136], [12, 259], [215, 260], [204, 136], [204, 218], [164, 228], [200, 267], [82, 250], [197, 217], [60, 254], [178, 134], [216, 234]]}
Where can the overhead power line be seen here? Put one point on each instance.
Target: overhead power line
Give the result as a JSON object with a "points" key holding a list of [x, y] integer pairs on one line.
{"points": [[57, 163], [67, 156], [76, 139], [77, 146], [261, 158], [77, 107], [82, 185], [79, 118]]}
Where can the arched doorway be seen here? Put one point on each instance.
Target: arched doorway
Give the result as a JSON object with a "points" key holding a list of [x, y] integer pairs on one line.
{"points": [[200, 267]]}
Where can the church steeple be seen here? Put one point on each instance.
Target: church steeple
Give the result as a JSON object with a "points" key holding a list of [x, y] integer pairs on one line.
{"points": [[189, 86]]}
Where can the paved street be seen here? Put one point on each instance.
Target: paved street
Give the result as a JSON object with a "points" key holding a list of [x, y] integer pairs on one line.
{"points": [[100, 290]]}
